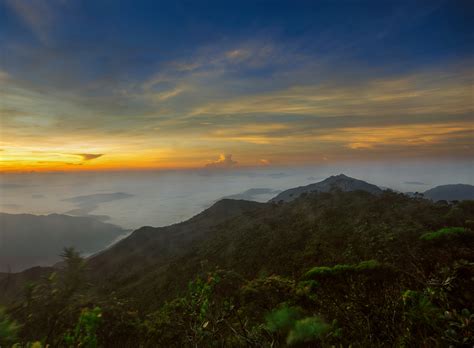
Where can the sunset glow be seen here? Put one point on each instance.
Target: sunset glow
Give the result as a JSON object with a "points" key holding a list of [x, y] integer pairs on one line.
{"points": [[262, 98]]}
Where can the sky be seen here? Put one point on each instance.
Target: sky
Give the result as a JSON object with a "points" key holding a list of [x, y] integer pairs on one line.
{"points": [[106, 85]]}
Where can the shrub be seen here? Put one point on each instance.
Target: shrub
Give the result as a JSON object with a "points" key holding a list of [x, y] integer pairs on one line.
{"points": [[289, 322], [282, 319], [342, 269], [460, 331], [84, 334], [8, 329], [307, 330], [419, 309], [444, 233]]}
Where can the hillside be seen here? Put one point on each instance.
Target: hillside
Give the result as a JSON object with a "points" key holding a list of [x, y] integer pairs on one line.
{"points": [[37, 240], [455, 192], [150, 247], [340, 182], [253, 239], [12, 284], [365, 269]]}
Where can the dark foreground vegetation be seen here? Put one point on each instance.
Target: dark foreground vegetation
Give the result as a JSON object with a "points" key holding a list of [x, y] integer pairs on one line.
{"points": [[332, 269]]}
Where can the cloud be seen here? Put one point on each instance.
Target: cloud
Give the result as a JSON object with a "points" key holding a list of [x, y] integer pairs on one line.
{"points": [[4, 76], [169, 94], [238, 54], [442, 93], [224, 161], [89, 156], [39, 15], [264, 162], [259, 97]]}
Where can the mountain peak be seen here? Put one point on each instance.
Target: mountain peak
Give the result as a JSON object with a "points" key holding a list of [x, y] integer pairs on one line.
{"points": [[342, 176], [339, 177], [341, 182]]}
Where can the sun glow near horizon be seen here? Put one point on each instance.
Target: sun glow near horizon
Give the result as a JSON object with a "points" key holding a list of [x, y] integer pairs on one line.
{"points": [[266, 98]]}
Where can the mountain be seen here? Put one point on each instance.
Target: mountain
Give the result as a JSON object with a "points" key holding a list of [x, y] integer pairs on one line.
{"points": [[147, 248], [356, 266], [253, 238], [155, 247], [455, 192], [13, 284], [340, 182], [37, 240]]}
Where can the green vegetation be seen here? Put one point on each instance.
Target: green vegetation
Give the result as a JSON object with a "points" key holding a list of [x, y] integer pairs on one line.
{"points": [[288, 321], [282, 319], [84, 334], [326, 270], [308, 330], [445, 232], [336, 270], [8, 329]]}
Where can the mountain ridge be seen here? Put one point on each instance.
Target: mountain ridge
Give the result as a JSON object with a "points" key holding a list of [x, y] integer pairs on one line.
{"points": [[333, 254], [162, 243], [341, 182], [450, 192]]}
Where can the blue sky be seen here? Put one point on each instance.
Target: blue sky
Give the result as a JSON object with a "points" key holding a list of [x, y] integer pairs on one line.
{"points": [[179, 83]]}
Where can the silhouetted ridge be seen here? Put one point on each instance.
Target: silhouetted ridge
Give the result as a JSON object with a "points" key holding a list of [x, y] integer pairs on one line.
{"points": [[149, 245], [455, 192], [336, 182]]}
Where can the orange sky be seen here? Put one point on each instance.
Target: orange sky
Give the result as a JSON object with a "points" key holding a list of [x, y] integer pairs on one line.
{"points": [[427, 114], [161, 85]]}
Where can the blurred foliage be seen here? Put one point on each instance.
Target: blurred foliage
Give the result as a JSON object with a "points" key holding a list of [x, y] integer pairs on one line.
{"points": [[84, 334], [8, 329], [308, 330]]}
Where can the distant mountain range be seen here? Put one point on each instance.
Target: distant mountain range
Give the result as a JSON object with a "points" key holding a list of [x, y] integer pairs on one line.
{"points": [[155, 248], [339, 182], [456, 192], [281, 237], [30, 240]]}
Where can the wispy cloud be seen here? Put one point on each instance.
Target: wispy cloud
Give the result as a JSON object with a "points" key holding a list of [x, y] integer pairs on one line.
{"points": [[428, 93], [271, 101], [89, 156], [168, 94], [38, 15]]}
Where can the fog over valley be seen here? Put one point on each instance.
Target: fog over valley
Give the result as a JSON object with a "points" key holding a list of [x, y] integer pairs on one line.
{"points": [[159, 198], [91, 211]]}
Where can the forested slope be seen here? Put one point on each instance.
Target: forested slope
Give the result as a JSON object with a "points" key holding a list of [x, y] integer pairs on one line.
{"points": [[334, 268]]}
